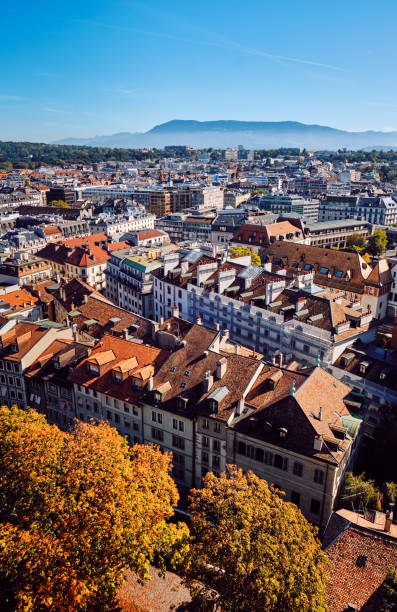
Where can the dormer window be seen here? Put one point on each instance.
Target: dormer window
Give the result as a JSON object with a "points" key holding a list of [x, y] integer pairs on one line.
{"points": [[93, 369], [117, 377]]}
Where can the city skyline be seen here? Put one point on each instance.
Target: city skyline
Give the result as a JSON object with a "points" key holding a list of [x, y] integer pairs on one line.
{"points": [[99, 68]]}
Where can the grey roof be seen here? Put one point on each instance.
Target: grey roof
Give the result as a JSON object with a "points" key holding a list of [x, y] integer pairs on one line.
{"points": [[324, 225], [219, 394], [251, 272]]}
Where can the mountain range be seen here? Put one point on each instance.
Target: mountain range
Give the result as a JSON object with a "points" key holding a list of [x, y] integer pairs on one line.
{"points": [[250, 134]]}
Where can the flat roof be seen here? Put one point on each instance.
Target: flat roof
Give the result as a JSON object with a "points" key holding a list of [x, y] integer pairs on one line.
{"points": [[335, 223]]}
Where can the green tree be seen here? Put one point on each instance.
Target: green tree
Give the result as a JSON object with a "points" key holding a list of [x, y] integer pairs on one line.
{"points": [[242, 252], [59, 204], [76, 509], [358, 489], [357, 242], [377, 243], [388, 593], [251, 550]]}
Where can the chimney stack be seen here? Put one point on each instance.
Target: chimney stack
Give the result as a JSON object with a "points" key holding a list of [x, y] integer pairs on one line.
{"points": [[208, 381], [125, 333], [175, 312], [198, 320], [221, 367]]}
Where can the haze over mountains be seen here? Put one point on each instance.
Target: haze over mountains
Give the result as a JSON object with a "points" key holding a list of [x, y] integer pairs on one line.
{"points": [[250, 134]]}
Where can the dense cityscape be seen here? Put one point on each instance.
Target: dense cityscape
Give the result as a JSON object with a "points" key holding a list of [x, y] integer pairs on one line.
{"points": [[231, 307]]}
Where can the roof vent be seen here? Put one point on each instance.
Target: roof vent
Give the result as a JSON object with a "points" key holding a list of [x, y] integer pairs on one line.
{"points": [[361, 561]]}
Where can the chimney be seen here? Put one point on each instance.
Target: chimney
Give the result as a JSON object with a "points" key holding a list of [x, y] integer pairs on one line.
{"points": [[85, 298], [198, 320], [318, 444], [208, 381], [280, 359], [72, 306], [273, 359], [217, 326], [125, 333], [74, 330], [389, 518], [240, 407], [225, 335], [150, 384], [175, 312], [63, 294], [300, 304], [221, 367]]}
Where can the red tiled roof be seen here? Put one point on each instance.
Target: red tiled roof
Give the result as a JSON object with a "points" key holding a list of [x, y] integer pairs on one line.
{"points": [[351, 582]]}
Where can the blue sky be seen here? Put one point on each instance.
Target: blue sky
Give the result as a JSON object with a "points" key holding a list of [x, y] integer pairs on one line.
{"points": [[98, 67]]}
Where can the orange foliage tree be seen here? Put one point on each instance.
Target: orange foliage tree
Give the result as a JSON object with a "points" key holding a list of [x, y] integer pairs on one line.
{"points": [[77, 509], [251, 550]]}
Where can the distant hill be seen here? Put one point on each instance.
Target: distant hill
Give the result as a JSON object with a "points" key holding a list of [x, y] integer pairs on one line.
{"points": [[250, 134]]}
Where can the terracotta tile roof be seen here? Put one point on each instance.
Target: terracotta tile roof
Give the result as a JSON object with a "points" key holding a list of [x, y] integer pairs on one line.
{"points": [[21, 299], [308, 413], [354, 581], [91, 239], [50, 231], [84, 256], [24, 336], [117, 246], [342, 270], [122, 350], [145, 235], [262, 235]]}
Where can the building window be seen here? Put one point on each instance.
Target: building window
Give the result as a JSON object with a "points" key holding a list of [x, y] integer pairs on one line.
{"points": [[181, 426], [116, 418], [206, 424], [178, 442], [298, 469], [268, 458], [318, 476], [217, 427], [157, 434], [204, 457], [295, 498], [175, 423], [280, 462], [315, 506], [206, 441], [135, 427], [216, 446], [216, 461], [108, 415]]}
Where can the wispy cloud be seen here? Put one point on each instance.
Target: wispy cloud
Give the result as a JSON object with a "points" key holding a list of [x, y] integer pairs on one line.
{"points": [[9, 98], [122, 91], [218, 41], [50, 109], [47, 75]]}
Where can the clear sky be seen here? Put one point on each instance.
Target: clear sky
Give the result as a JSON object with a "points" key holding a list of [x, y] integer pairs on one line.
{"points": [[87, 67]]}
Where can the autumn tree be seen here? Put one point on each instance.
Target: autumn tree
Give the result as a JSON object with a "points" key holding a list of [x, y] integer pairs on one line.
{"points": [[242, 251], [251, 550], [356, 242], [377, 242], [360, 490], [76, 509], [59, 204]]}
